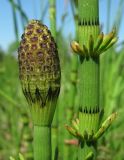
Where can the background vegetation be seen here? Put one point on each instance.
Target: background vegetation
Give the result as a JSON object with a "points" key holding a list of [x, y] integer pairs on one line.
{"points": [[15, 123]]}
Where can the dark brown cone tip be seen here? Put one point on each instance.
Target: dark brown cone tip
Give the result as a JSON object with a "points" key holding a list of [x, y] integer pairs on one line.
{"points": [[39, 67]]}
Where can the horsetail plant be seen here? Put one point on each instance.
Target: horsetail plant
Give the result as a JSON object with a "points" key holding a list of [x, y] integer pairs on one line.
{"points": [[39, 72], [52, 17], [91, 44]]}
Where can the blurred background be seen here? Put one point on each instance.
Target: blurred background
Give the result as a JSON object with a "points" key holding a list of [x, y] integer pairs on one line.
{"points": [[15, 123]]}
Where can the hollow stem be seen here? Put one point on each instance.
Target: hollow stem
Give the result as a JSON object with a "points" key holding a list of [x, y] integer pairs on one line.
{"points": [[89, 102], [89, 82], [42, 143], [89, 123], [89, 110]]}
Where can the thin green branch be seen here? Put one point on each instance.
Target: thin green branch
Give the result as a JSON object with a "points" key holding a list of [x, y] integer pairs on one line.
{"points": [[21, 16], [15, 20], [19, 9], [52, 13]]}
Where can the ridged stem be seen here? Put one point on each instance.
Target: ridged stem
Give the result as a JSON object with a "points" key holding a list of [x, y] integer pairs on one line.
{"points": [[42, 143], [89, 102], [88, 10], [89, 110], [89, 82], [89, 122], [52, 13]]}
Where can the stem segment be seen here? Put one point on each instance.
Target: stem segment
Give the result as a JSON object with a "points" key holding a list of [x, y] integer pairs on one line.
{"points": [[89, 80], [89, 110], [42, 143]]}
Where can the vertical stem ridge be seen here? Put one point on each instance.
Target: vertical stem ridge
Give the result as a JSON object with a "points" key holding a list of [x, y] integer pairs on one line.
{"points": [[88, 10], [15, 20], [42, 143], [88, 24], [89, 80]]}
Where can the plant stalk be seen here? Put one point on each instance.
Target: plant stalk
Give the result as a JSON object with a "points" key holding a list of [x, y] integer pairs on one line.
{"points": [[42, 143], [21, 16], [14, 19], [52, 13], [89, 111]]}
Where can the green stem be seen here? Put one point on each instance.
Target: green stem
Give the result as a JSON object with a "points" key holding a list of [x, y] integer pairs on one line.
{"points": [[15, 20], [89, 82], [54, 142], [88, 24], [89, 122], [42, 143], [89, 102], [52, 12], [21, 16], [18, 8]]}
